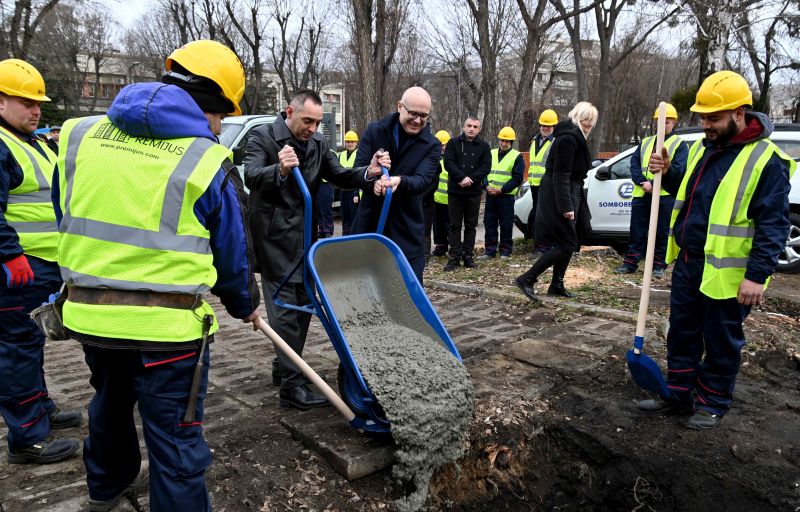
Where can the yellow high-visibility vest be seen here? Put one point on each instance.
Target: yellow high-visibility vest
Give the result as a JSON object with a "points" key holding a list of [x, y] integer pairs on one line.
{"points": [[538, 161], [646, 151], [501, 170], [440, 196]]}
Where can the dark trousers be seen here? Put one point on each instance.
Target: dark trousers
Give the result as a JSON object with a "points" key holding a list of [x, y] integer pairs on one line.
{"points": [[499, 211], [537, 246], [441, 226], [640, 223], [178, 454], [701, 325], [24, 402], [463, 210], [325, 210], [290, 325], [555, 257], [348, 209]]}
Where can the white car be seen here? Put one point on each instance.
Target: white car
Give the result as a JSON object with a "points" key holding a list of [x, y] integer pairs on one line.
{"points": [[609, 190]]}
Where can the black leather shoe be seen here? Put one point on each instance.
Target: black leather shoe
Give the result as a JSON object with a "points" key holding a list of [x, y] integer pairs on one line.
{"points": [[139, 485], [64, 419], [559, 291], [300, 397], [527, 289], [44, 452], [452, 264], [703, 420], [469, 262], [661, 406]]}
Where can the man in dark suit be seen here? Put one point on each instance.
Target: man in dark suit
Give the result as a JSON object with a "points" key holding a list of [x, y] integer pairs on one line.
{"points": [[415, 157], [276, 220]]}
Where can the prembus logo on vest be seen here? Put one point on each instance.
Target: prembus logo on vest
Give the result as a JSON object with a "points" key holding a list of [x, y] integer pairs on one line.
{"points": [[109, 132]]}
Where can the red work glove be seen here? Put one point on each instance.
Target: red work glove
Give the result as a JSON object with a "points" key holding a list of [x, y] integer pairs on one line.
{"points": [[18, 272]]}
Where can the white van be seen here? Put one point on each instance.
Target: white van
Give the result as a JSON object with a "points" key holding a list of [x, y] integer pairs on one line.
{"points": [[609, 190]]}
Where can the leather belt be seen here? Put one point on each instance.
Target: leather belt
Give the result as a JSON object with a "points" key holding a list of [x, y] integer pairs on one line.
{"points": [[103, 296]]}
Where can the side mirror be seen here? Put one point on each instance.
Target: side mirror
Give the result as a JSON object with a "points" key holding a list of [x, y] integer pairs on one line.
{"points": [[238, 155], [597, 163], [603, 173]]}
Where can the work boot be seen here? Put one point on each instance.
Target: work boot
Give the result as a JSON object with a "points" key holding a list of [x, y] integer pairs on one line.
{"points": [[485, 257], [659, 406], [64, 419], [452, 264], [138, 486], [624, 269], [527, 290], [302, 398], [44, 452], [469, 262], [557, 289], [703, 420], [658, 273]]}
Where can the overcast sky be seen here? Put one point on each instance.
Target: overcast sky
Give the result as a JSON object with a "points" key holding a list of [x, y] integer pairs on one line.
{"points": [[128, 11]]}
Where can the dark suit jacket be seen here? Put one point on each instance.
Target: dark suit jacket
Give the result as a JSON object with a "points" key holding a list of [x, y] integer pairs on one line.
{"points": [[416, 164], [276, 206]]}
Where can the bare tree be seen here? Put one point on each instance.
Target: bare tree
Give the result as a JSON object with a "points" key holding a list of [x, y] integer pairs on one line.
{"points": [[99, 29], [248, 23], [19, 23]]}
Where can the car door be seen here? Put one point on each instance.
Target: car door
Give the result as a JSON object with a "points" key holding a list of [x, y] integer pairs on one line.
{"points": [[609, 195]]}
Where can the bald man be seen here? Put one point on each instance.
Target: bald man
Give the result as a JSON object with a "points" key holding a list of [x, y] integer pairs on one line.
{"points": [[415, 155]]}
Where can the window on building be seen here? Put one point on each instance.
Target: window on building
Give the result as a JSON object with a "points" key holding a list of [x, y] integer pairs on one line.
{"points": [[105, 91]]}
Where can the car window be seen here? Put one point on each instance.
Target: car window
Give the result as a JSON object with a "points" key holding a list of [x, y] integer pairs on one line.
{"points": [[621, 169], [229, 133], [790, 147]]}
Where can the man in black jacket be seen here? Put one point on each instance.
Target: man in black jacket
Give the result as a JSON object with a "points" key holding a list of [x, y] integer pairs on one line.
{"points": [[276, 220], [467, 160]]}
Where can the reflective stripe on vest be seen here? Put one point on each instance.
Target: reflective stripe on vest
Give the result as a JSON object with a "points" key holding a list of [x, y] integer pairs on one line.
{"points": [[538, 161], [501, 171], [344, 161], [141, 221], [730, 231], [646, 150], [30, 209], [440, 196]]}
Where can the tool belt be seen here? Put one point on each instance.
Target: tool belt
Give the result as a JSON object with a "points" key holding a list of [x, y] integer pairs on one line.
{"points": [[106, 297]]}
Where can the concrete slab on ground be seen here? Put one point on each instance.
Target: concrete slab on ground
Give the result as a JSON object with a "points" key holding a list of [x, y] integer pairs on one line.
{"points": [[547, 354], [351, 453]]}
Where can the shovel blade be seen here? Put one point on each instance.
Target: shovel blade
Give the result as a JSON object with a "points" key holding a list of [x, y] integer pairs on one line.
{"points": [[646, 374]]}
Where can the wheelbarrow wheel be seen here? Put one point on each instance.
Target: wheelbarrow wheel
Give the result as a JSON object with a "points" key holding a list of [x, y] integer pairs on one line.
{"points": [[351, 393]]}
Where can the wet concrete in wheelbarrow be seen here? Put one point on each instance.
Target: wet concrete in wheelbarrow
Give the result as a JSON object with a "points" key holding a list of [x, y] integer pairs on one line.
{"points": [[424, 390]]}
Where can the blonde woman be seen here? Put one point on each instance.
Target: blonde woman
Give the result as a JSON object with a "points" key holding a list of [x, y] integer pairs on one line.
{"points": [[560, 196]]}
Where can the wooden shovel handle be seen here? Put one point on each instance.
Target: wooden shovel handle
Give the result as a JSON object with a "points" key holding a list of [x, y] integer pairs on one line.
{"points": [[644, 303]]}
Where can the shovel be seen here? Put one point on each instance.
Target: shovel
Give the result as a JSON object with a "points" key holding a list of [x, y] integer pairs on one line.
{"points": [[330, 394], [645, 372]]}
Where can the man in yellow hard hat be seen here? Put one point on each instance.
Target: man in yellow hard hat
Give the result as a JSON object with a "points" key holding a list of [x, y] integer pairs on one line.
{"points": [[28, 248], [138, 248], [504, 179], [643, 194], [540, 150], [727, 228], [441, 212], [348, 199]]}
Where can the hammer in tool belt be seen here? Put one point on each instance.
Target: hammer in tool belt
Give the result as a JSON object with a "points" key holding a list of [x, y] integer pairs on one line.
{"points": [[191, 405]]}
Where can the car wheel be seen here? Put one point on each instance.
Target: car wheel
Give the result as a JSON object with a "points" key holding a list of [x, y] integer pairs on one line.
{"points": [[789, 259]]}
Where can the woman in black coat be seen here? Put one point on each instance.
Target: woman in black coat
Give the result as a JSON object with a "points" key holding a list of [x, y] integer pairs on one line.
{"points": [[560, 198]]}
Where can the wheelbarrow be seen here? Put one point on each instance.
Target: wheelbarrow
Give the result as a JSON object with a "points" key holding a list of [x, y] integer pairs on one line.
{"points": [[350, 275]]}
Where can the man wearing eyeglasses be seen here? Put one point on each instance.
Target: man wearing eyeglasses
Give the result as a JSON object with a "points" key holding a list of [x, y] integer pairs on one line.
{"points": [[414, 154], [467, 160]]}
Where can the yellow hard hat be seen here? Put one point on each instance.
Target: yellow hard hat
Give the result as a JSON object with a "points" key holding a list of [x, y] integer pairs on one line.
{"points": [[507, 133], [215, 61], [443, 136], [18, 78], [548, 118], [671, 112], [723, 90], [351, 136]]}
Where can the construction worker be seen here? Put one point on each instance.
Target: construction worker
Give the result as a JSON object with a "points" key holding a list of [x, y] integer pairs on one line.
{"points": [[728, 226], [28, 248], [348, 199], [642, 179], [467, 160], [508, 166], [138, 254], [540, 150], [441, 213]]}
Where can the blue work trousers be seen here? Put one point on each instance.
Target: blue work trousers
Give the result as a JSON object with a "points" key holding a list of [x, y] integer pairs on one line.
{"points": [[348, 209], [640, 225], [160, 382], [499, 211], [24, 402], [705, 340], [325, 210]]}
